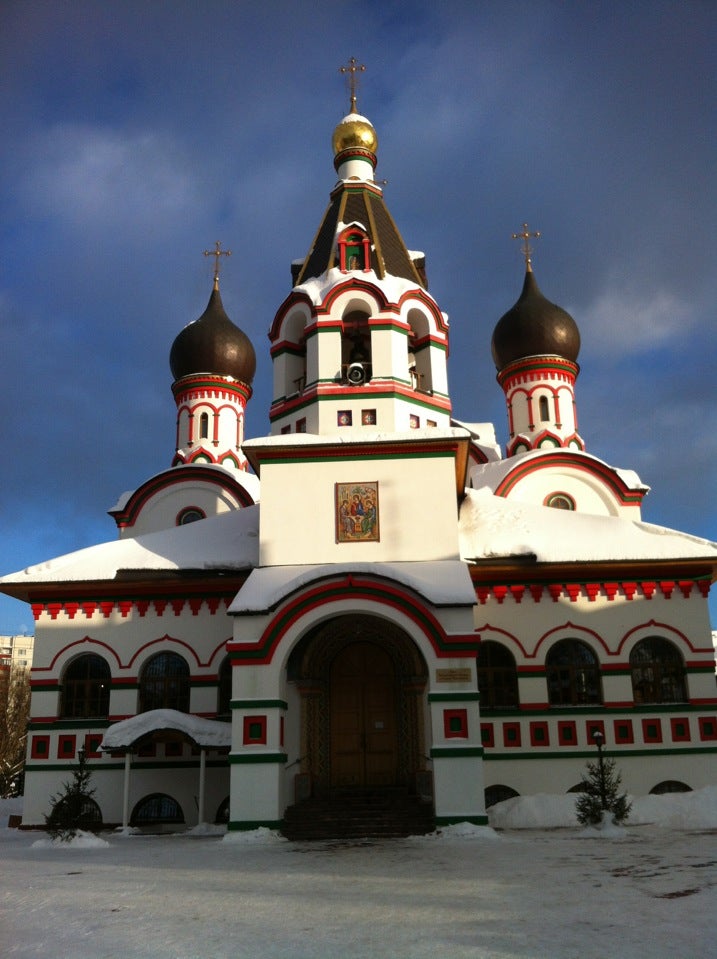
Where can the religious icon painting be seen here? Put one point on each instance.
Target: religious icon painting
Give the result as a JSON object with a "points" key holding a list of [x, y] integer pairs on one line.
{"points": [[356, 512]]}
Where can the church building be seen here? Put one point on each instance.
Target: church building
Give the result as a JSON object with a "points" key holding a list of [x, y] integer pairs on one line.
{"points": [[375, 619]]}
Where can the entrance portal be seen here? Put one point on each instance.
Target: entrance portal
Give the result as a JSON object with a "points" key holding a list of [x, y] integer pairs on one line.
{"points": [[363, 717], [361, 680]]}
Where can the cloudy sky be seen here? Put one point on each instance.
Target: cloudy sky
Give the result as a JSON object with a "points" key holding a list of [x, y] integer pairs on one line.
{"points": [[136, 134]]}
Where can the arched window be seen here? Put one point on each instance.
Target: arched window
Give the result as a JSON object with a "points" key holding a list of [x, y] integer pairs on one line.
{"points": [[164, 684], [156, 809], [222, 815], [543, 407], [560, 501], [496, 794], [90, 817], [86, 688], [356, 349], [497, 677], [225, 688], [670, 786], [190, 515], [658, 672], [204, 426], [573, 674]]}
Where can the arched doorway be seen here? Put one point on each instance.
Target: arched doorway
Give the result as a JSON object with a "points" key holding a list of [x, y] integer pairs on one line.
{"points": [[362, 680], [362, 717]]}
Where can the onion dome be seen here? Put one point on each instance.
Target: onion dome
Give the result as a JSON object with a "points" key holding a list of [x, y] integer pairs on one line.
{"points": [[534, 327], [213, 344], [354, 131]]}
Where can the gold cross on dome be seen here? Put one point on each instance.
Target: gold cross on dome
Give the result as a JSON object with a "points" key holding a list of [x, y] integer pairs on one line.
{"points": [[352, 69], [526, 236], [216, 253]]}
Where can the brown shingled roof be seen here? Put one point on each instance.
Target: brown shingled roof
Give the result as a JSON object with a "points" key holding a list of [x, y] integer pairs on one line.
{"points": [[354, 203]]}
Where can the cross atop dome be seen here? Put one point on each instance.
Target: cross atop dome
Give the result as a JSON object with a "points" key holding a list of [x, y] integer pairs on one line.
{"points": [[351, 70], [526, 250], [217, 252]]}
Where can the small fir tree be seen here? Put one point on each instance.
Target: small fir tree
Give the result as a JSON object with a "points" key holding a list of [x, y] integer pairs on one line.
{"points": [[69, 809], [589, 806]]}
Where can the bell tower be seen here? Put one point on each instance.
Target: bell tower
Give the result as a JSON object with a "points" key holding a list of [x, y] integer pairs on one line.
{"points": [[359, 342]]}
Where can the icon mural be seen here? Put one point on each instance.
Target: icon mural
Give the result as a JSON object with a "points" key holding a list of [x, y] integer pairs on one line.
{"points": [[357, 513]]}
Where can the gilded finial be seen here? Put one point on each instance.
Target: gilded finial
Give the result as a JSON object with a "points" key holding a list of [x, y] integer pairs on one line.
{"points": [[527, 250], [352, 69], [216, 253]]}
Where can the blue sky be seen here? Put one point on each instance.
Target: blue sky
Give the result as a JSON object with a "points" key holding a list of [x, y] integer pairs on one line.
{"points": [[137, 134]]}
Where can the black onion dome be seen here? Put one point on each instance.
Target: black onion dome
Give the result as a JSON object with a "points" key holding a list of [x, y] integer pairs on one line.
{"points": [[534, 327], [213, 344]]}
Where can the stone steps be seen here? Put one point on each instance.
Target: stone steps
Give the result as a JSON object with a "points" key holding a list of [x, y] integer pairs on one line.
{"points": [[359, 815]]}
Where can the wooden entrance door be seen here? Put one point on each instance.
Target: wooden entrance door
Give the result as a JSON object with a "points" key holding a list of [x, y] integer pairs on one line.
{"points": [[363, 717]]}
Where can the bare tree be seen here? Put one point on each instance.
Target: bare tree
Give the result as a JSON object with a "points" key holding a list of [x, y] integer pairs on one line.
{"points": [[14, 713]]}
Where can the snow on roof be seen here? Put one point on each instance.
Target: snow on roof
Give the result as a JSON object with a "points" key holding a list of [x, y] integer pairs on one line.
{"points": [[445, 583], [204, 732], [249, 481], [489, 475], [228, 541], [348, 438], [393, 287], [491, 527], [483, 437]]}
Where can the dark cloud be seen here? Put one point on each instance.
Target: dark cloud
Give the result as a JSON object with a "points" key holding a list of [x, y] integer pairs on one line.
{"points": [[138, 134]]}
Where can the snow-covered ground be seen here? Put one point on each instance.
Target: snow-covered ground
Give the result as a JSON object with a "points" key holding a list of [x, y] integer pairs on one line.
{"points": [[644, 892]]}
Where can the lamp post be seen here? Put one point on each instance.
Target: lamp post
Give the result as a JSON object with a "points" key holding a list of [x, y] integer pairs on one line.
{"points": [[599, 740]]}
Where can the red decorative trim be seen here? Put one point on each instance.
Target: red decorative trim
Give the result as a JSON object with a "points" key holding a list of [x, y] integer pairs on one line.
{"points": [[517, 592], [539, 735], [93, 742], [581, 462], [500, 592], [106, 608], [53, 609], [79, 642], [648, 589], [511, 735], [610, 590], [652, 730], [455, 723], [177, 606], [487, 735], [593, 591], [555, 590], [704, 586], [127, 516], [629, 589], [567, 732], [536, 591], [254, 731], [66, 746], [573, 591], [678, 723], [685, 587], [125, 607], [708, 728], [88, 609], [166, 639], [592, 726], [662, 628], [667, 586], [624, 734], [482, 592], [40, 747]]}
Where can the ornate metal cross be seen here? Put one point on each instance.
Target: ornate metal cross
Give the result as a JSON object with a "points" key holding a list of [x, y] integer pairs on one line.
{"points": [[216, 253], [526, 236], [352, 69]]}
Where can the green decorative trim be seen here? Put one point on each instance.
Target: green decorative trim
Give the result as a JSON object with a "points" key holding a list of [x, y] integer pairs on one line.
{"points": [[453, 697], [341, 400], [452, 820], [247, 825], [456, 752], [614, 752], [259, 704], [244, 759], [91, 725]]}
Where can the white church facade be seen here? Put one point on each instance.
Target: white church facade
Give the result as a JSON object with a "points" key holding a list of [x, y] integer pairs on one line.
{"points": [[374, 600]]}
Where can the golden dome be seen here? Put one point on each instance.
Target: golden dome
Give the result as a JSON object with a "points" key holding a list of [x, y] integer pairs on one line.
{"points": [[354, 131]]}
